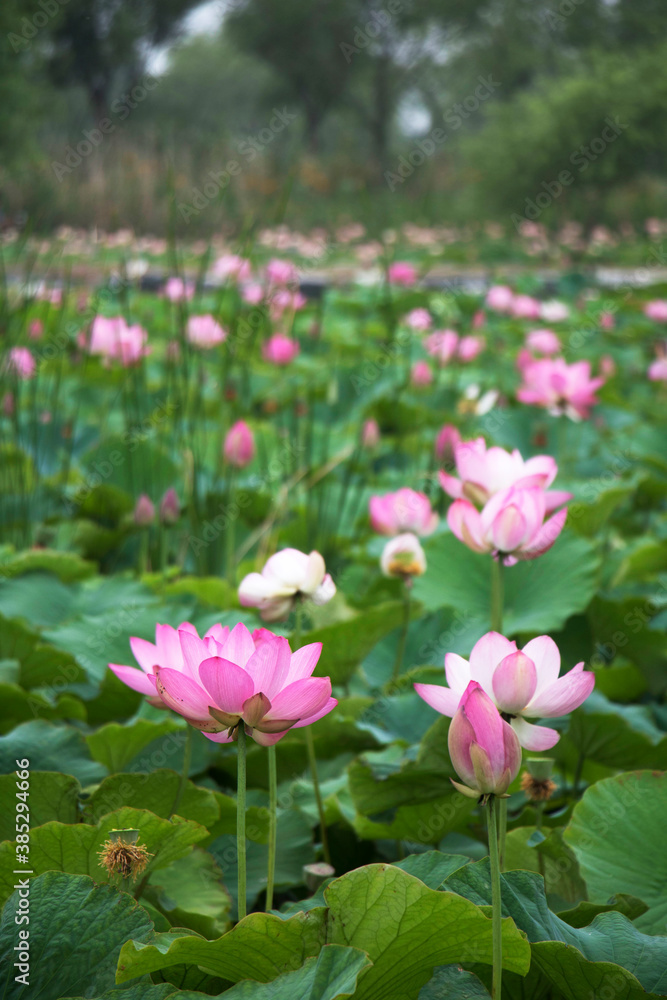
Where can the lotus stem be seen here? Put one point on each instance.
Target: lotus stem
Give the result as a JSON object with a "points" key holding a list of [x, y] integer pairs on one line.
{"points": [[273, 824]]}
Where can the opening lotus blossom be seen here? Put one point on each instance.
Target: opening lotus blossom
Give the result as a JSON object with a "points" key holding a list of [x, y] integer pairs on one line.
{"points": [[560, 388], [484, 749], [287, 577], [229, 678], [405, 510], [521, 683]]}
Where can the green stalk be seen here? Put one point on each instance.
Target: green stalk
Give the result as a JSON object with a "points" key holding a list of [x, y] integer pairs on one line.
{"points": [[497, 601], [185, 771], [310, 747], [231, 533], [496, 901], [240, 819], [400, 651], [273, 801]]}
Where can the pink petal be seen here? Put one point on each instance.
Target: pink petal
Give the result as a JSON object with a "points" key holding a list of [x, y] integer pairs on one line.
{"points": [[535, 738], [169, 646], [267, 739], [194, 650], [304, 661], [239, 646], [555, 498], [485, 719], [269, 666], [301, 699], [451, 485], [182, 694], [218, 632], [308, 721], [508, 529], [566, 694], [460, 738], [145, 653], [255, 590], [486, 655], [135, 679], [514, 683], [457, 672], [227, 684], [219, 737], [466, 524], [544, 653], [545, 537], [442, 699]]}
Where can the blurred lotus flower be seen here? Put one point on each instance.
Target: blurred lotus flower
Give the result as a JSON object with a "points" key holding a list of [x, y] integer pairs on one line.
{"points": [[607, 321], [470, 347], [21, 362], [231, 677], [205, 332], [281, 272], [479, 319], [656, 310], [484, 472], [526, 307], [442, 345], [405, 510], [421, 374], [483, 748], [510, 526], [284, 300], [231, 266], [253, 293], [370, 434], [403, 557], [554, 311], [239, 446], [280, 349], [288, 577], [500, 298], [8, 404], [559, 387], [543, 342], [418, 319], [170, 508], [111, 338], [476, 402], [607, 366], [402, 273], [658, 370], [35, 329], [144, 511], [445, 443], [522, 684], [176, 289]]}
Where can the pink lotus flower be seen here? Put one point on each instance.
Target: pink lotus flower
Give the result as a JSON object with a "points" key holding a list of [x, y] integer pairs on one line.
{"points": [[522, 684], [21, 362], [402, 273], [285, 300], [370, 434], [658, 370], [656, 310], [559, 387], [205, 332], [442, 345], [607, 366], [403, 557], [288, 577], [281, 272], [419, 319], [526, 307], [280, 349], [484, 472], [607, 321], [470, 347], [405, 510], [231, 677], [239, 446], [421, 374], [253, 294], [478, 320], [446, 442], [170, 508], [484, 749], [144, 511], [543, 342], [35, 329], [176, 289], [500, 298], [231, 266], [554, 311], [510, 526], [112, 339]]}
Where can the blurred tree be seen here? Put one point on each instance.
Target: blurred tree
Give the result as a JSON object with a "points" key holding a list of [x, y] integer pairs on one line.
{"points": [[101, 44]]}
